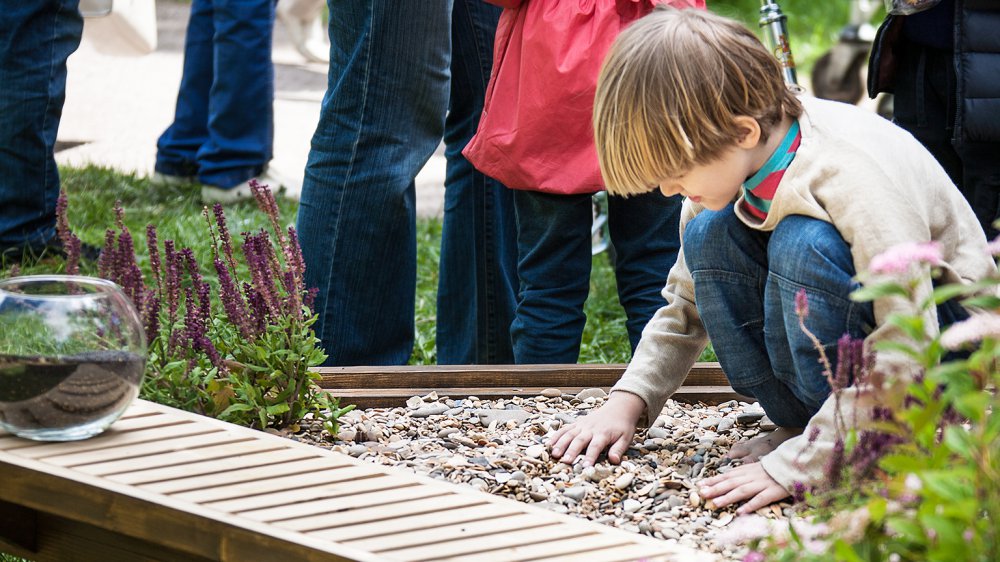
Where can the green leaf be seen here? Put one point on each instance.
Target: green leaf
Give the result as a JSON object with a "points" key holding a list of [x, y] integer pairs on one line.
{"points": [[845, 552], [987, 302], [881, 290], [973, 405], [877, 507], [901, 463], [277, 409], [945, 293], [959, 441]]}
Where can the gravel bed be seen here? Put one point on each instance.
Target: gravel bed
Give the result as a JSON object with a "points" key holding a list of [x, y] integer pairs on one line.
{"points": [[497, 446]]}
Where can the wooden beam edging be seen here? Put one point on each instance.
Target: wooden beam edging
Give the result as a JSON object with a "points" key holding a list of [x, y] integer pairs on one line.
{"points": [[390, 386]]}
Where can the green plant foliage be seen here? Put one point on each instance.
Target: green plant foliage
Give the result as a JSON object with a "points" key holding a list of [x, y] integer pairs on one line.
{"points": [[931, 491]]}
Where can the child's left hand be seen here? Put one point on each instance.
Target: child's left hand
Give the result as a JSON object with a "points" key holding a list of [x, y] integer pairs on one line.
{"points": [[746, 481]]}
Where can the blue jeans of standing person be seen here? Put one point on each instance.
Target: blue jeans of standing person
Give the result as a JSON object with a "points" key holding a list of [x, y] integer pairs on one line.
{"points": [[223, 127], [745, 283], [396, 70], [36, 39], [554, 259]]}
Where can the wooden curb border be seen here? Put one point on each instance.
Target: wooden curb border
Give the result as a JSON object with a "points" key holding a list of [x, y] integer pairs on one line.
{"points": [[390, 386]]}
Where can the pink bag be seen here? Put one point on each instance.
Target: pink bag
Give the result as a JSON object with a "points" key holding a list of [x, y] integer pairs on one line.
{"points": [[536, 132]]}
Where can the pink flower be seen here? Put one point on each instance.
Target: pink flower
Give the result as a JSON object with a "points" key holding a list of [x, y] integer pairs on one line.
{"points": [[976, 328], [994, 246], [754, 556], [900, 258], [745, 529]]}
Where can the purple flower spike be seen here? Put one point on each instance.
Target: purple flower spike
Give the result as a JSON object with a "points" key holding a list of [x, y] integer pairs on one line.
{"points": [[801, 304]]}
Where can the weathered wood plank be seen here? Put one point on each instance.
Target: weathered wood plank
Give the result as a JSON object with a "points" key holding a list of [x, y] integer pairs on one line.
{"points": [[110, 439], [209, 494], [352, 484], [383, 499], [233, 447], [140, 455], [443, 533], [458, 376], [380, 529], [172, 480], [370, 397], [421, 506], [595, 544], [482, 546]]}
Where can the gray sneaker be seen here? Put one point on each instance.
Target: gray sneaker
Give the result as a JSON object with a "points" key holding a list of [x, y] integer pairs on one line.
{"points": [[242, 191], [167, 180]]}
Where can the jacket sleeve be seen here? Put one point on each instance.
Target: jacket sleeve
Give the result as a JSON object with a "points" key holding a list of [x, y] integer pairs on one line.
{"points": [[671, 342]]}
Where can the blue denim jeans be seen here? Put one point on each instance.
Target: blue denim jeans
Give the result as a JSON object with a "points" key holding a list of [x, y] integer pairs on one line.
{"points": [[554, 262], [36, 39], [396, 70], [746, 282], [223, 127]]}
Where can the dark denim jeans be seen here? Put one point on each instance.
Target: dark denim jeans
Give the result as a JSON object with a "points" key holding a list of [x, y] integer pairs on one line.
{"points": [[223, 129], [396, 70], [36, 39], [925, 105], [554, 262], [746, 282]]}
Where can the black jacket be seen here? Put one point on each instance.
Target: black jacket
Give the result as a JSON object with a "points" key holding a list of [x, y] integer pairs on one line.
{"points": [[976, 51]]}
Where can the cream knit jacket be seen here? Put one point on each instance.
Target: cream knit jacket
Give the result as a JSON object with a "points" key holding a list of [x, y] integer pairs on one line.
{"points": [[879, 187]]}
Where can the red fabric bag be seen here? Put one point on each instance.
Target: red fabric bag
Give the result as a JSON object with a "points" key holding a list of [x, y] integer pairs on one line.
{"points": [[536, 131]]}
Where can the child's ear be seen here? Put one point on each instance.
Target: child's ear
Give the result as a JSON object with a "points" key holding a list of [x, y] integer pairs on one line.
{"points": [[750, 132]]}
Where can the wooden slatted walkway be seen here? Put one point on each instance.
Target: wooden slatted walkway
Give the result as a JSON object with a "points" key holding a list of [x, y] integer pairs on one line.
{"points": [[163, 484]]}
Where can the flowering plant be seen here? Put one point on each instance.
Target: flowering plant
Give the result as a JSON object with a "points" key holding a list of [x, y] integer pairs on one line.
{"points": [[248, 363], [921, 480]]}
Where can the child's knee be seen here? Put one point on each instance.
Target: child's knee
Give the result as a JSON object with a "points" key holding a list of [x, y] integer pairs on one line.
{"points": [[802, 247]]}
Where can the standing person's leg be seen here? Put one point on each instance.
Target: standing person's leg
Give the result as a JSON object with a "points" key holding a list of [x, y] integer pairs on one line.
{"points": [[646, 237], [241, 100], [981, 182], [381, 119], [36, 39], [178, 146], [478, 274], [553, 266]]}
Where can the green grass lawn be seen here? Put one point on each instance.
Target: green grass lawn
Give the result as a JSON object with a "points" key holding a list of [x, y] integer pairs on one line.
{"points": [[177, 214]]}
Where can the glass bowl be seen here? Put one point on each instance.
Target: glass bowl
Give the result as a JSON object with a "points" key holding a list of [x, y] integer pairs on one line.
{"points": [[72, 356]]}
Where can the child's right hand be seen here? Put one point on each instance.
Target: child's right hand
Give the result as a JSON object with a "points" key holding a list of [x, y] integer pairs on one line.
{"points": [[611, 427]]}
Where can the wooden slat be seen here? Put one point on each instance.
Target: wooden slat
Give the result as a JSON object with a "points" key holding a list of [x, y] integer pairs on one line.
{"points": [[111, 439], [349, 485], [621, 553], [593, 546], [172, 480], [443, 533], [457, 376], [198, 451], [420, 522], [396, 397], [422, 506], [312, 508], [482, 546], [105, 460], [267, 484]]}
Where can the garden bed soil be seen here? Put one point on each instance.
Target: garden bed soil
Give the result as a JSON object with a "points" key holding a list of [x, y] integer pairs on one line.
{"points": [[497, 446]]}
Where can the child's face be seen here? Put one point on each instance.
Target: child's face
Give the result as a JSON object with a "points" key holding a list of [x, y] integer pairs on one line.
{"points": [[715, 184]]}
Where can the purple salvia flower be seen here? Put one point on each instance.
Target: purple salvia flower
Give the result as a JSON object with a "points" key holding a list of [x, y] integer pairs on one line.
{"points": [[172, 280], [871, 446], [798, 492], [106, 261], [259, 264], [202, 288], [71, 244], [267, 203], [900, 259], [311, 297], [119, 215], [801, 304], [232, 300], [224, 236], [152, 245], [258, 309], [813, 433], [151, 318], [835, 464]]}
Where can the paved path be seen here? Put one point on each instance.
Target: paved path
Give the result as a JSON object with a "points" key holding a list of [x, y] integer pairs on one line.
{"points": [[116, 107]]}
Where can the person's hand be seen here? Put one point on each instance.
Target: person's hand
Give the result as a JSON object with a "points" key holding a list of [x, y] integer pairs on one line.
{"points": [[743, 482], [609, 427]]}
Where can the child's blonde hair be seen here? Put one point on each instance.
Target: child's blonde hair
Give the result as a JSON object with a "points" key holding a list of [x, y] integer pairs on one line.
{"points": [[669, 92]]}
